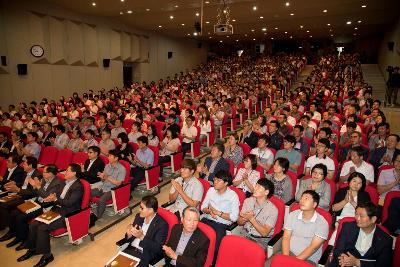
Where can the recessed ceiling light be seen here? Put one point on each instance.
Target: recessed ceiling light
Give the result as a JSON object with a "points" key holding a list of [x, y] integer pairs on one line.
{"points": [[121, 13], [308, 31], [310, 36], [227, 36], [287, 4], [354, 33], [291, 37], [325, 10], [265, 33], [286, 32], [207, 2], [348, 23], [207, 22], [237, 40], [328, 24], [129, 11], [252, 30], [254, 8], [176, 6], [272, 38], [261, 17], [332, 35], [188, 34], [330, 30], [264, 29], [183, 24], [93, 4], [195, 33], [147, 9], [122, 0], [208, 33], [364, 6], [291, 14], [276, 28], [209, 37], [220, 41], [197, 14], [245, 35], [159, 26], [355, 28], [301, 26], [254, 39], [234, 20], [171, 17], [359, 21]]}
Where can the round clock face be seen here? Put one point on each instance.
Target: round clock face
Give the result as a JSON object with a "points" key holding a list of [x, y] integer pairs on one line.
{"points": [[37, 51]]}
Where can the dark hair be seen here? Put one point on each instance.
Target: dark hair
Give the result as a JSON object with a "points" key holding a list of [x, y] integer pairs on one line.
{"points": [[322, 167], [113, 152], [276, 123], [34, 135], [124, 137], [220, 147], [268, 185], [60, 127], [253, 160], [313, 194], [359, 175], [351, 124], [224, 176], [359, 150], [325, 142], [150, 202], [266, 138], [143, 139], [106, 130], [137, 124], [95, 149], [290, 138], [91, 132], [369, 207], [52, 169], [284, 163], [395, 135], [75, 168], [189, 163], [300, 127], [31, 161], [174, 133], [327, 130]]}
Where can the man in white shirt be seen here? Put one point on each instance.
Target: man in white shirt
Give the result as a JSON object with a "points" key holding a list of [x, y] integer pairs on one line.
{"points": [[189, 134], [220, 207], [321, 157], [357, 164], [62, 139], [265, 157]]}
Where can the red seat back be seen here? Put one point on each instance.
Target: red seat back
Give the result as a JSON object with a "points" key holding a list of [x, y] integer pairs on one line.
{"points": [[280, 205], [64, 158], [156, 154], [3, 166], [206, 186], [239, 251], [396, 253], [127, 167], [86, 194], [246, 149], [285, 260], [388, 198], [231, 167], [169, 217], [373, 194], [240, 194], [48, 155], [210, 233], [79, 157]]}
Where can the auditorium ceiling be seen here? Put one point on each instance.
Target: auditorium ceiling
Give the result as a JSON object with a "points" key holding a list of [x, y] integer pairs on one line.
{"points": [[251, 20]]}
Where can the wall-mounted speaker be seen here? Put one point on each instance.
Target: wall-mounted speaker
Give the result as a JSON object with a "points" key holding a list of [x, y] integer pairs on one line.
{"points": [[3, 60], [106, 62], [22, 69], [390, 46], [169, 54]]}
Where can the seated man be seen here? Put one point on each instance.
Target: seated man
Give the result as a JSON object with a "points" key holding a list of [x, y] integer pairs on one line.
{"points": [[144, 158], [276, 138], [214, 163], [301, 144], [147, 234], [106, 144], [265, 157], [189, 134], [14, 173], [389, 180], [321, 157], [357, 164], [37, 187], [393, 221], [62, 139], [32, 148], [305, 230], [186, 190], [89, 140], [113, 176], [356, 141], [248, 136], [258, 216], [386, 155], [362, 243], [64, 202], [187, 244], [93, 165], [290, 153], [220, 207]]}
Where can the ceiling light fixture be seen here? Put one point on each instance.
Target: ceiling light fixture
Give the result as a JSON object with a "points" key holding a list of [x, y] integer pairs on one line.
{"points": [[325, 10], [287, 4], [121, 13], [310, 36], [286, 32], [197, 14], [245, 35], [308, 31], [364, 6], [254, 39], [207, 22], [207, 2], [264, 29], [171, 17], [93, 4], [252, 30], [265, 33], [301, 26], [195, 33], [261, 17], [210, 37], [129, 11], [234, 20], [291, 37], [237, 40], [291, 14], [122, 0], [159, 26], [272, 38], [359, 21], [147, 9], [355, 28], [276, 28], [328, 24], [183, 24], [348, 23], [254, 8], [220, 41], [176, 6], [188, 34]]}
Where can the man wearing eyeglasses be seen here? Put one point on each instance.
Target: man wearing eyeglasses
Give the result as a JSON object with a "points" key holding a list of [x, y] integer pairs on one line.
{"points": [[93, 165], [220, 207]]}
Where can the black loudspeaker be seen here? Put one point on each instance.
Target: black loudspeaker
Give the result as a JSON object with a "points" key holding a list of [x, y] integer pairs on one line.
{"points": [[390, 46], [169, 54], [199, 45], [22, 69], [106, 62], [3, 60]]}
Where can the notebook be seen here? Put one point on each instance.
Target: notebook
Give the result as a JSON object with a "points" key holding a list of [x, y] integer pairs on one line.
{"points": [[48, 217], [123, 260], [28, 207]]}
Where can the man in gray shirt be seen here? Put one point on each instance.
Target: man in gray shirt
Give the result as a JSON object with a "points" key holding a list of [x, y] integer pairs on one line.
{"points": [[31, 149], [113, 176]]}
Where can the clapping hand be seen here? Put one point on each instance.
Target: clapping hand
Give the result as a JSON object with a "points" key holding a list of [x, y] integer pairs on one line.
{"points": [[177, 185], [137, 232], [51, 198], [170, 252], [247, 215], [213, 212]]}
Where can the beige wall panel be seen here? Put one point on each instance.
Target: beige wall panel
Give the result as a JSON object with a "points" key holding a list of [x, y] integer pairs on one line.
{"points": [[37, 30], [90, 44], [144, 48], [60, 80], [77, 79], [125, 46], [75, 42], [92, 78], [57, 29], [104, 42], [116, 73], [115, 45], [135, 48], [42, 81]]}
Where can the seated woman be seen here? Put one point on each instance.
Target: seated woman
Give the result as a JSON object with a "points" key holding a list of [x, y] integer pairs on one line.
{"points": [[124, 149], [168, 146], [317, 183], [247, 177], [75, 142], [389, 179], [152, 135], [232, 150], [282, 183], [347, 198]]}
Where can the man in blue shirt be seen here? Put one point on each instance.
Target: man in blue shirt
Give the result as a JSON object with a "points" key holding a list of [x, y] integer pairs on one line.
{"points": [[143, 159]]}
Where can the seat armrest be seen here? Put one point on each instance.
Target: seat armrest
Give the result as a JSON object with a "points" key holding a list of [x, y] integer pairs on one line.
{"points": [[290, 202], [167, 204], [325, 256], [122, 244], [274, 244], [232, 226], [75, 212]]}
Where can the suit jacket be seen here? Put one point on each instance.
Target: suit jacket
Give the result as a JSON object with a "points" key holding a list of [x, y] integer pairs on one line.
{"points": [[28, 192], [18, 176], [221, 165], [251, 140], [72, 200], [196, 250], [378, 255], [276, 141], [379, 153], [393, 221], [8, 144], [91, 174], [153, 240]]}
